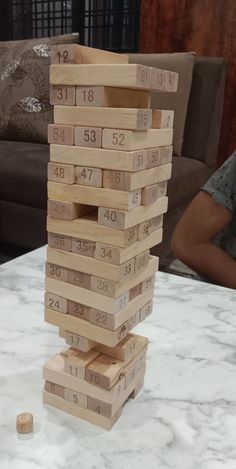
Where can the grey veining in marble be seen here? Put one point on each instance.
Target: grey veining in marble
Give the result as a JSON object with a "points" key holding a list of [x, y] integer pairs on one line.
{"points": [[185, 418]]}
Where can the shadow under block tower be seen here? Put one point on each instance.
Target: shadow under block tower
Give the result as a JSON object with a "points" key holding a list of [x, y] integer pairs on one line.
{"points": [[110, 160]]}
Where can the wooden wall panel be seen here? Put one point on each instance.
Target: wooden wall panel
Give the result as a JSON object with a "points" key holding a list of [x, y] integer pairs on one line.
{"points": [[207, 27]]}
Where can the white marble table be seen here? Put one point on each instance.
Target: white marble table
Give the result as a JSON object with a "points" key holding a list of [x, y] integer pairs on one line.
{"points": [[185, 418]]}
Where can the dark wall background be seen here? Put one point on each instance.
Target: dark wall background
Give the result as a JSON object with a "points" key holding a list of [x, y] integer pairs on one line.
{"points": [[207, 27]]}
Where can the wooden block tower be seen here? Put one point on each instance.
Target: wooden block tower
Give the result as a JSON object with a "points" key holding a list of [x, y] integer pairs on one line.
{"points": [[110, 160]]}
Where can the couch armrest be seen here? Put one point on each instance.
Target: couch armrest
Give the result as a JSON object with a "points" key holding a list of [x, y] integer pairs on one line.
{"points": [[204, 115]]}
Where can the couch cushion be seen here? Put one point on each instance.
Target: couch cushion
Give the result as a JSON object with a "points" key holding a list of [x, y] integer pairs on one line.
{"points": [[25, 111], [23, 173], [187, 178], [182, 63]]}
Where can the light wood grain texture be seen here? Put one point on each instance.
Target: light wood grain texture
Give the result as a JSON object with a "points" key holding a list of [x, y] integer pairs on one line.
{"points": [[159, 156], [61, 134], [84, 414], [56, 272], [122, 76], [66, 210], [94, 196], [141, 261], [88, 137], [56, 389], [135, 140], [53, 371], [76, 398], [150, 226], [100, 158], [56, 302], [77, 361], [88, 176], [105, 96], [164, 80], [123, 220], [78, 342], [135, 291], [60, 241], [77, 54], [124, 351], [83, 247], [145, 311], [79, 279], [162, 119], [118, 118], [78, 310], [89, 229], [62, 95], [62, 173], [151, 193], [148, 283], [125, 181]]}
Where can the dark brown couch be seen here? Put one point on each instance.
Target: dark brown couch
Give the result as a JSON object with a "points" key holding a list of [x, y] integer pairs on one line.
{"points": [[23, 165]]}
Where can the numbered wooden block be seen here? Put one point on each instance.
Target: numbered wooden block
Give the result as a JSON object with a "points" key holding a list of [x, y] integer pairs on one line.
{"points": [[56, 389], [126, 118], [164, 80], [24, 423], [111, 218], [60, 241], [101, 319], [56, 302], [162, 119], [62, 173], [100, 407], [145, 311], [122, 76], [101, 96], [83, 247], [137, 389], [62, 95], [148, 283], [146, 228], [125, 350], [76, 361], [103, 286], [78, 342], [56, 272], [158, 79], [61, 134], [62, 210], [151, 193], [99, 157], [130, 140], [135, 291], [141, 261], [76, 398], [88, 176], [77, 54], [78, 310], [88, 137], [122, 180], [159, 156], [79, 278], [138, 369], [171, 81], [107, 253]]}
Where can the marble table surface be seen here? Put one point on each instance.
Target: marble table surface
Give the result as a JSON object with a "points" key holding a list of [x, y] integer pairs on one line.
{"points": [[185, 418]]}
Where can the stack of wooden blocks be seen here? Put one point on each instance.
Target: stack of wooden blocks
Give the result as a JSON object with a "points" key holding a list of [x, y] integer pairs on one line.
{"points": [[110, 160]]}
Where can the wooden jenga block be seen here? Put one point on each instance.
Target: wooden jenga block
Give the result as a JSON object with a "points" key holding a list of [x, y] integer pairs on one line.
{"points": [[135, 291], [148, 227], [63, 173], [141, 261], [61, 134], [137, 388], [162, 119], [60, 241], [78, 342], [135, 140], [24, 423], [77, 54], [164, 80], [78, 310], [56, 272], [116, 255], [123, 220], [53, 371], [159, 156], [63, 210], [148, 283], [83, 247], [151, 193], [126, 118], [99, 157], [145, 311], [79, 279], [76, 398], [105, 96], [88, 137], [88, 176], [171, 81], [124, 351], [56, 302], [62, 95], [56, 389], [125, 181], [136, 371], [122, 76], [76, 361], [93, 196], [89, 229]]}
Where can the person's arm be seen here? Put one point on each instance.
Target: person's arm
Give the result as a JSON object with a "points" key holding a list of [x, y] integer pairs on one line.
{"points": [[192, 241]]}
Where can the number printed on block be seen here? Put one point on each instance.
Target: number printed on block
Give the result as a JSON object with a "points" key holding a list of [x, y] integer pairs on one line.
{"points": [[63, 54], [158, 79], [103, 286], [58, 303], [107, 253], [78, 310], [145, 311], [76, 398], [88, 176], [128, 268], [78, 342], [122, 302], [56, 389], [131, 235], [159, 156], [144, 119], [57, 272], [58, 241], [62, 210], [79, 279], [88, 137], [147, 227], [151, 193], [147, 284], [63, 173], [140, 161], [101, 319], [141, 261], [62, 95], [110, 217], [100, 407], [83, 247], [90, 96], [61, 134]]}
